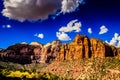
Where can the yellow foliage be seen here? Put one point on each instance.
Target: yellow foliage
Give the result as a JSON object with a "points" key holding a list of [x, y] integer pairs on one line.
{"points": [[15, 74], [22, 74]]}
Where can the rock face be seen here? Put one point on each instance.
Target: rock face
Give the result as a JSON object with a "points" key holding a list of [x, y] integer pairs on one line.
{"points": [[20, 53], [118, 53], [50, 51], [80, 47], [33, 53], [83, 47]]}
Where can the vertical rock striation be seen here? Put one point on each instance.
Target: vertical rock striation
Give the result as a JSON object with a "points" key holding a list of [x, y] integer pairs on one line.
{"points": [[80, 47], [83, 47]]}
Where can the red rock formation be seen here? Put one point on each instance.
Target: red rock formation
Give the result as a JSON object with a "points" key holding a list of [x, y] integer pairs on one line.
{"points": [[50, 51], [83, 47], [80, 47], [118, 54], [97, 48], [24, 51]]}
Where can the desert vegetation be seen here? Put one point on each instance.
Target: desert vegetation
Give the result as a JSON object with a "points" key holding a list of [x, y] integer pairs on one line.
{"points": [[81, 69], [7, 74], [87, 69], [83, 58], [15, 71]]}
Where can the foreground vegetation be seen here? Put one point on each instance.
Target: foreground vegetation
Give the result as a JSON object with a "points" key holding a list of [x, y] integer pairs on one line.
{"points": [[15, 71], [7, 74], [82, 69], [87, 69]]}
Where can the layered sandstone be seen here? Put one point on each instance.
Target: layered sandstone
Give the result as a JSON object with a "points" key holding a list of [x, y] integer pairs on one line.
{"points": [[80, 47], [31, 53], [83, 47], [50, 51], [118, 54]]}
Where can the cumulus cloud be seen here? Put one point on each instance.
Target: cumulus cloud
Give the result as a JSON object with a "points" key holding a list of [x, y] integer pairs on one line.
{"points": [[41, 36], [63, 36], [37, 9], [6, 26], [73, 25], [115, 41], [89, 30], [103, 30], [30, 9], [70, 5]]}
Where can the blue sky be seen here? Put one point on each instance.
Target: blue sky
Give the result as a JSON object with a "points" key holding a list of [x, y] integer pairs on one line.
{"points": [[92, 14]]}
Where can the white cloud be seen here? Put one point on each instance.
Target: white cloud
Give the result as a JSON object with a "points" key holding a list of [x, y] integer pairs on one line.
{"points": [[116, 35], [30, 9], [115, 41], [63, 36], [103, 30], [73, 25], [6, 26], [106, 41], [37, 9], [89, 30], [70, 5], [39, 35]]}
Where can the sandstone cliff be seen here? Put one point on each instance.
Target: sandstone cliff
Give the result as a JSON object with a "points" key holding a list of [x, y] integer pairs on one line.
{"points": [[50, 51], [80, 47], [83, 47], [31, 53]]}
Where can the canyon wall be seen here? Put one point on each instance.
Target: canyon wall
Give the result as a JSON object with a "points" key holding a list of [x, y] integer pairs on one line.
{"points": [[80, 47]]}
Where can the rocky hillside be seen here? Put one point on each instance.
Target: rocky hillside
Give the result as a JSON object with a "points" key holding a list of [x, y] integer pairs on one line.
{"points": [[81, 47], [86, 69]]}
